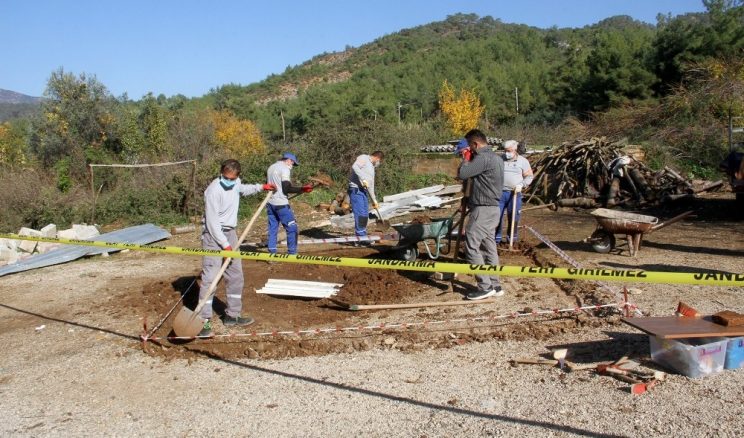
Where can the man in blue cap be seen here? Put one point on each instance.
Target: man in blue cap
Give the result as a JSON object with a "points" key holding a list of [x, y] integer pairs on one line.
{"points": [[278, 209]]}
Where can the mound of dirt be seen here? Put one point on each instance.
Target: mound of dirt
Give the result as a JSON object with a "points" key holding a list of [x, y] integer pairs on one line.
{"points": [[421, 219], [375, 286]]}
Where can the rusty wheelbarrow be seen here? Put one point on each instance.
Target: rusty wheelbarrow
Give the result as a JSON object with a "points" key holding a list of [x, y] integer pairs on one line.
{"points": [[632, 225]]}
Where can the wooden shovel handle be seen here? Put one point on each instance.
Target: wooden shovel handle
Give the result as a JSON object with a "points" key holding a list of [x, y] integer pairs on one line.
{"points": [[513, 216], [213, 286]]}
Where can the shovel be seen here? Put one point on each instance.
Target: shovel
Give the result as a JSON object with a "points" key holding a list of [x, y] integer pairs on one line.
{"points": [[188, 323], [315, 181], [511, 222], [379, 220]]}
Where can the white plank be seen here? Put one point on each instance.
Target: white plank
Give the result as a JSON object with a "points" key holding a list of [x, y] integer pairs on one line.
{"points": [[410, 193]]}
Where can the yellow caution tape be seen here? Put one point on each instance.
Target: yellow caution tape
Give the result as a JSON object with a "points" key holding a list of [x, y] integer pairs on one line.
{"points": [[626, 275]]}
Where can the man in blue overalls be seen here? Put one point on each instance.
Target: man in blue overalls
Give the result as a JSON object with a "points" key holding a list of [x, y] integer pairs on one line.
{"points": [[362, 184], [278, 209]]}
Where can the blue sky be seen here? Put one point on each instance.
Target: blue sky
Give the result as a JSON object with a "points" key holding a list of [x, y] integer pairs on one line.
{"points": [[188, 46]]}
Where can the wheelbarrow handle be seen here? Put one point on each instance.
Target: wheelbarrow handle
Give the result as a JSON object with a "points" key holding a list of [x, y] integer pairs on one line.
{"points": [[671, 221]]}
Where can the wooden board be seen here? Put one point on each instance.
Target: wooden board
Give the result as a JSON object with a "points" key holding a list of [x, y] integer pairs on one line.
{"points": [[677, 327], [349, 306]]}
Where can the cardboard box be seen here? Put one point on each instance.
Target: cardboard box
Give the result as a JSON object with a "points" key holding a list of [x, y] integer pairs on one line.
{"points": [[734, 353], [692, 357]]}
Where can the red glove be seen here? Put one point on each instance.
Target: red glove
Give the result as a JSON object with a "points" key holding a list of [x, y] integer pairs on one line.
{"points": [[467, 154], [307, 188], [227, 248], [269, 187]]}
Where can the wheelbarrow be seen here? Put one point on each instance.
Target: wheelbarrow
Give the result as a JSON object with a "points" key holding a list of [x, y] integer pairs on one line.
{"points": [[632, 225], [411, 234]]}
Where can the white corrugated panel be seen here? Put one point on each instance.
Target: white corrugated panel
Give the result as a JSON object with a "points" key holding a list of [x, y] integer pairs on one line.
{"points": [[299, 288]]}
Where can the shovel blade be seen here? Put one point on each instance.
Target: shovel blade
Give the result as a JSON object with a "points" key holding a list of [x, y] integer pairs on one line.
{"points": [[187, 323]]}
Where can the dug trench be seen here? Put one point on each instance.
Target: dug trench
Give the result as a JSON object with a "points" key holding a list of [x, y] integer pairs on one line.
{"points": [[445, 328]]}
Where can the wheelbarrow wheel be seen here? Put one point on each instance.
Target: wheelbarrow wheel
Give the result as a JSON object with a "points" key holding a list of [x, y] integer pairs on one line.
{"points": [[409, 254], [603, 241]]}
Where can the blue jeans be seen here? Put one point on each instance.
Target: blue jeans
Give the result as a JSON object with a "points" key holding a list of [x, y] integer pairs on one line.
{"points": [[282, 214], [505, 204], [360, 209]]}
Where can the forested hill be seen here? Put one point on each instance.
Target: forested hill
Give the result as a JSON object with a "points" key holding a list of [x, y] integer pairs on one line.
{"points": [[549, 68], [16, 105], [7, 96]]}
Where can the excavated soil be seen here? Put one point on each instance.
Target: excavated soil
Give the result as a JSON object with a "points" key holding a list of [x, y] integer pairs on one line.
{"points": [[453, 325]]}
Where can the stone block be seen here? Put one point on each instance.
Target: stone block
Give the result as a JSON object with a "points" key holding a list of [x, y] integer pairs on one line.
{"points": [[28, 245], [9, 243], [85, 231], [7, 255], [67, 234], [49, 231], [43, 247]]}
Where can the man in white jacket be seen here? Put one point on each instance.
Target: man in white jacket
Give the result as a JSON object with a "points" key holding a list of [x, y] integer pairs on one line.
{"points": [[517, 176], [221, 202]]}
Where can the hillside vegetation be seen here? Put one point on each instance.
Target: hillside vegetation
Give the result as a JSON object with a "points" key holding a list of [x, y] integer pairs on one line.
{"points": [[669, 87]]}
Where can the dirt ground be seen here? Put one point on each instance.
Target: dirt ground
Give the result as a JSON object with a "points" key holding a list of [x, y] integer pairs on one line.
{"points": [[102, 305]]}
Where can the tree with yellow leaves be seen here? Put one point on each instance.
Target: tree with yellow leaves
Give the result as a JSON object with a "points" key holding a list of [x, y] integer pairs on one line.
{"points": [[12, 144], [240, 137], [462, 111]]}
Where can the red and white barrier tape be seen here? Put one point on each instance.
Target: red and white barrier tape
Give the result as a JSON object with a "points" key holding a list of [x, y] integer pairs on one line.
{"points": [[386, 326]]}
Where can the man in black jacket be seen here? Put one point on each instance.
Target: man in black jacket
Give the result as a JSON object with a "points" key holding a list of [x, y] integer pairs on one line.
{"points": [[486, 169]]}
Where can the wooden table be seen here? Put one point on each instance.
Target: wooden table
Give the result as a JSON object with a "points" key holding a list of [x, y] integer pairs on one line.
{"points": [[677, 327]]}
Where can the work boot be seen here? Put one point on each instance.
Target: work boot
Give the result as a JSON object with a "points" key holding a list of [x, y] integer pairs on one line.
{"points": [[237, 320], [206, 330], [481, 294]]}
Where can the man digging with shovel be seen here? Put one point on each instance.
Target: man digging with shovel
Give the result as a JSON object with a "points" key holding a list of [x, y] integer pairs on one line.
{"points": [[361, 185], [221, 201]]}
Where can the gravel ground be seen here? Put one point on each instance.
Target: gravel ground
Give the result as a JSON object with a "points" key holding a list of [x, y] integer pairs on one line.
{"points": [[83, 375]]}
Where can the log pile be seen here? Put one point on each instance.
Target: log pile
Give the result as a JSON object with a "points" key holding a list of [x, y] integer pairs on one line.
{"points": [[597, 173]]}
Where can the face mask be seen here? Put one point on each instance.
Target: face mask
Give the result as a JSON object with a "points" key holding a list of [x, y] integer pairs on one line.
{"points": [[509, 155], [226, 183], [376, 164]]}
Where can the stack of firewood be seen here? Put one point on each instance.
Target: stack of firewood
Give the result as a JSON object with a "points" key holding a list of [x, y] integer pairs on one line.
{"points": [[599, 173]]}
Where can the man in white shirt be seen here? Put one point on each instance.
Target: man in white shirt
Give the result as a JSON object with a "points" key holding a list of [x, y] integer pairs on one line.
{"points": [[517, 176], [362, 184], [278, 209], [221, 203]]}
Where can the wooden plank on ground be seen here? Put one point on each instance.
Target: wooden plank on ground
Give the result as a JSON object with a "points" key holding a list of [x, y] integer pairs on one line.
{"points": [[678, 327], [348, 306]]}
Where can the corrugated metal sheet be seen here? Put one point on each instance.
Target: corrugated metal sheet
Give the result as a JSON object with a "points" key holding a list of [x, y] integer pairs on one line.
{"points": [[429, 201], [140, 234]]}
